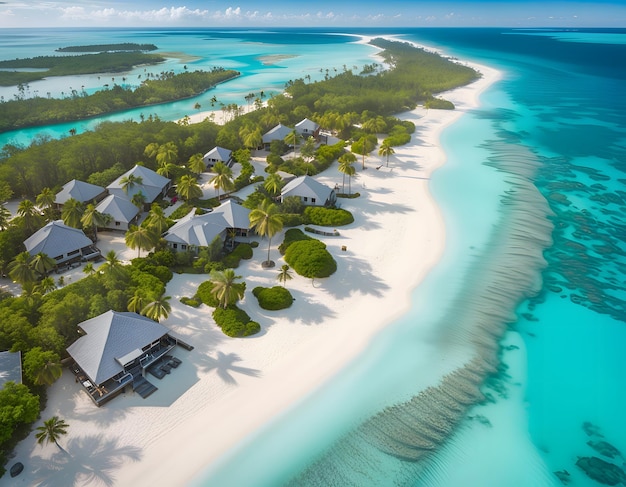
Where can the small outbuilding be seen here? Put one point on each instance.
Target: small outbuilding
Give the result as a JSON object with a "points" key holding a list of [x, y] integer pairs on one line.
{"points": [[123, 213], [218, 154], [151, 184], [277, 133], [307, 128], [310, 191]]}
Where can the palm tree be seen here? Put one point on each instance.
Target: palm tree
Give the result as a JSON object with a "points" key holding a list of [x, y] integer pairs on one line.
{"points": [[293, 138], [141, 238], [129, 182], [72, 213], [42, 263], [267, 223], [29, 213], [138, 199], [223, 178], [225, 289], [345, 166], [253, 139], [51, 431], [386, 150], [157, 309], [284, 275], [94, 219], [45, 201], [196, 164], [188, 188], [136, 302], [366, 146], [89, 269], [20, 270], [48, 374], [112, 264], [374, 125], [5, 217], [157, 219], [273, 184]]}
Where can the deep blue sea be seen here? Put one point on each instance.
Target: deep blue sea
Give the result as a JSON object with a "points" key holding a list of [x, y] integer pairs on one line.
{"points": [[543, 156]]}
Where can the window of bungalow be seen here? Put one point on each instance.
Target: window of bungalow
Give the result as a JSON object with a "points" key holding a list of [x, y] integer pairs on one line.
{"points": [[183, 247], [312, 200], [305, 198], [174, 246], [58, 257], [73, 252]]}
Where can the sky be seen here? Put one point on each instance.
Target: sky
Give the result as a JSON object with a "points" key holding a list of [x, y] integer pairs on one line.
{"points": [[318, 13]]}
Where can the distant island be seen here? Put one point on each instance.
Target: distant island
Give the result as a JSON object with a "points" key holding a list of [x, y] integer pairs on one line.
{"points": [[125, 46], [46, 66]]}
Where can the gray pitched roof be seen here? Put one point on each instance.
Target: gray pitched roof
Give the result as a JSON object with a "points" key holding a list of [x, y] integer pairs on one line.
{"points": [[277, 133], [120, 209], [152, 184], [236, 216], [56, 238], [306, 126], [196, 230], [306, 186], [10, 367], [110, 336], [201, 230], [218, 153], [78, 190]]}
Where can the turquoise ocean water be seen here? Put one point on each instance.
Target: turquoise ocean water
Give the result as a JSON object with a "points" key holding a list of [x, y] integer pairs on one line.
{"points": [[555, 122]]}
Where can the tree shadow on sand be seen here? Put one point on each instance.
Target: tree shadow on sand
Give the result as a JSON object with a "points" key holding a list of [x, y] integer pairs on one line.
{"points": [[224, 366], [89, 460], [356, 276]]}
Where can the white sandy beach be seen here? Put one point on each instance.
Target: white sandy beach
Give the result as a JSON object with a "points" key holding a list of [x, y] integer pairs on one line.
{"points": [[227, 388]]}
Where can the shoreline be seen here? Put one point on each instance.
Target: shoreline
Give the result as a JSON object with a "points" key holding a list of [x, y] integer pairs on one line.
{"points": [[249, 382]]}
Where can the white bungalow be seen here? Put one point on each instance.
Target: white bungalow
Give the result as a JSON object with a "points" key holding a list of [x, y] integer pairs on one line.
{"points": [[152, 185], [229, 220], [80, 191], [277, 133], [307, 128], [115, 350], [218, 154], [123, 213], [310, 191], [62, 243]]}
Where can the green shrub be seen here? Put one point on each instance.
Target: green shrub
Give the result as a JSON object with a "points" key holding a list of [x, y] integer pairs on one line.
{"points": [[273, 298], [213, 266], [349, 196], [292, 235], [291, 219], [309, 258], [242, 251], [440, 104], [205, 294], [194, 303], [254, 244], [328, 217], [398, 139], [235, 322]]}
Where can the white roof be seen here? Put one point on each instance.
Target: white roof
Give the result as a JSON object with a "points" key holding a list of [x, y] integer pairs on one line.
{"points": [[120, 209], [201, 230], [110, 338], [306, 186], [152, 184], [78, 190], [307, 126], [277, 133], [56, 238]]}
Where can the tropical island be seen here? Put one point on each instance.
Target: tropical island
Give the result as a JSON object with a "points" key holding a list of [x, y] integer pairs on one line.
{"points": [[342, 120], [78, 105], [33, 69], [124, 46]]}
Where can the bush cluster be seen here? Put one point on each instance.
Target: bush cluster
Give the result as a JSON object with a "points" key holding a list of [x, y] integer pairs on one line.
{"points": [[194, 303], [235, 322], [273, 298], [291, 219], [292, 235], [205, 294], [309, 258], [328, 217], [242, 251]]}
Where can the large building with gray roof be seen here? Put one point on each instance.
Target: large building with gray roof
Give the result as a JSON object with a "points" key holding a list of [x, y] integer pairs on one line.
{"points": [[62, 243]]}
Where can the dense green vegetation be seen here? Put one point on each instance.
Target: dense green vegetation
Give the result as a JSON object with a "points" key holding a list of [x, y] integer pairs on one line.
{"points": [[328, 217], [124, 46], [309, 258], [168, 86], [103, 62], [273, 298]]}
